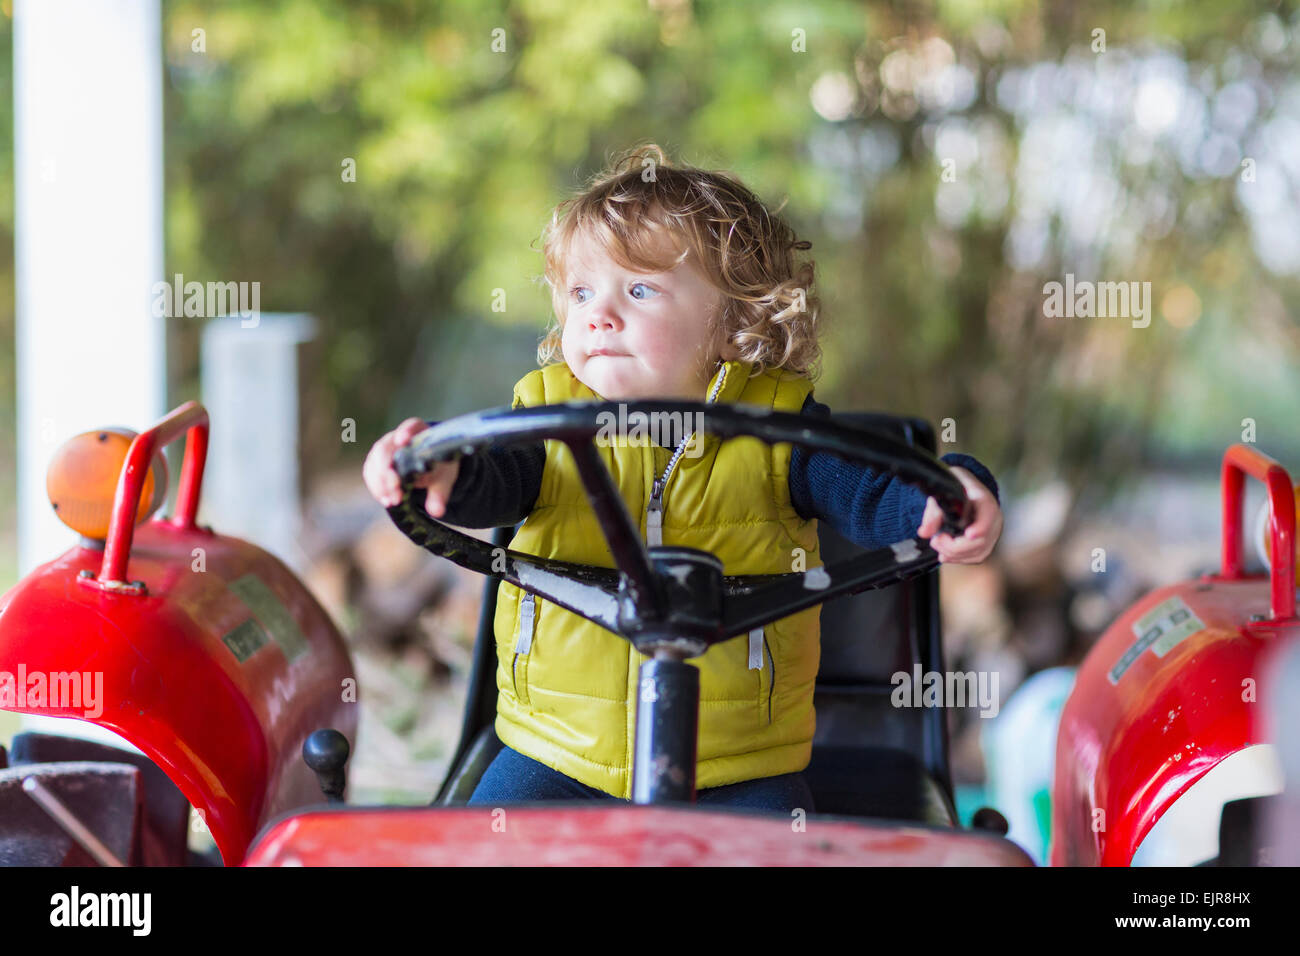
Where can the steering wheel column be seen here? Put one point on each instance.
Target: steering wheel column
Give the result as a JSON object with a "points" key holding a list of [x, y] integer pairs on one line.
{"points": [[689, 583]]}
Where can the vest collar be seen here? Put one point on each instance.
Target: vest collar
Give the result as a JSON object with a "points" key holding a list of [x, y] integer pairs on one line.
{"points": [[737, 375]]}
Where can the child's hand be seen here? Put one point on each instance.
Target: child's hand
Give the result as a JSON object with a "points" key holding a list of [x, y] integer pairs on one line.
{"points": [[978, 539], [381, 477]]}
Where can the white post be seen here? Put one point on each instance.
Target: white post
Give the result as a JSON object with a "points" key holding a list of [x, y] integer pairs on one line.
{"points": [[88, 245], [250, 389], [88, 235]]}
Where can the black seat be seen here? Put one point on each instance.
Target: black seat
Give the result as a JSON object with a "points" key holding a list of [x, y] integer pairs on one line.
{"points": [[166, 819], [106, 798], [869, 759]]}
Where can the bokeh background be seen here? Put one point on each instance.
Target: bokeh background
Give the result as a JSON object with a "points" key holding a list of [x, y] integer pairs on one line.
{"points": [[946, 160]]}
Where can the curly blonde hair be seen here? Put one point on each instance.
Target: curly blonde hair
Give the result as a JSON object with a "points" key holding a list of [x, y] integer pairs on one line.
{"points": [[769, 314]]}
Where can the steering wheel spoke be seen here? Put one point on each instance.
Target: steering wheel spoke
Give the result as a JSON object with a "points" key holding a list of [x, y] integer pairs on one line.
{"points": [[621, 533], [756, 600], [589, 592]]}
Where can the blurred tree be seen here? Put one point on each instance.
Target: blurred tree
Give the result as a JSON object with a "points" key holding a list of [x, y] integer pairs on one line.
{"points": [[388, 166]]}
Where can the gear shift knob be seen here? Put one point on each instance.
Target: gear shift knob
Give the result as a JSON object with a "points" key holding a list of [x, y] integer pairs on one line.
{"points": [[326, 752]]}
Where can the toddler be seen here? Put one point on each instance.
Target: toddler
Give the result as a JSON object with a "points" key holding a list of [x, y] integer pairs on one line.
{"points": [[671, 282]]}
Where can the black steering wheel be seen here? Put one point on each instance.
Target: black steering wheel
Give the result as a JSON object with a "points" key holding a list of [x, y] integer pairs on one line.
{"points": [[669, 601]]}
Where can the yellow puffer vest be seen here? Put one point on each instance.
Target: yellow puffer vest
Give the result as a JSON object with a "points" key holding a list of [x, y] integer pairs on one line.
{"points": [[567, 687]]}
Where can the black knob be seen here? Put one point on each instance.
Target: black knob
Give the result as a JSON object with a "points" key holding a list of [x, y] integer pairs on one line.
{"points": [[986, 818], [326, 752]]}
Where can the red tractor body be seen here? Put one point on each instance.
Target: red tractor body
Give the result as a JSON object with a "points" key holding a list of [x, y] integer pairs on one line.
{"points": [[1171, 689], [212, 657], [621, 835]]}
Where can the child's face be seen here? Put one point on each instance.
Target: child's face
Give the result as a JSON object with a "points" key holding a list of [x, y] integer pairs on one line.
{"points": [[658, 327]]}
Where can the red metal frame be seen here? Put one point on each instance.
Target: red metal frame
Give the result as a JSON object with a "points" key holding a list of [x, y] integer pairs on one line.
{"points": [[562, 834], [1239, 461], [190, 417]]}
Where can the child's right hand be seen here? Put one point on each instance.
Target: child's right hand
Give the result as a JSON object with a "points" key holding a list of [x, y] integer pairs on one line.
{"points": [[381, 477]]}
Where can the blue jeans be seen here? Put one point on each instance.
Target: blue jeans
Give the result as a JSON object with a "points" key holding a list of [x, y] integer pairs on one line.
{"points": [[513, 778]]}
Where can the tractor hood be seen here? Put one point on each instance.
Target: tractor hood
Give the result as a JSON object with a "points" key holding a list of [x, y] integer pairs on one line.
{"points": [[1169, 691]]}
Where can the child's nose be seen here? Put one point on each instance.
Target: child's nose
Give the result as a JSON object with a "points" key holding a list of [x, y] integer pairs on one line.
{"points": [[602, 319]]}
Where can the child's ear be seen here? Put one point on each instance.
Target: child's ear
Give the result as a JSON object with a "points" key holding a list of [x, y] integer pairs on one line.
{"points": [[727, 350]]}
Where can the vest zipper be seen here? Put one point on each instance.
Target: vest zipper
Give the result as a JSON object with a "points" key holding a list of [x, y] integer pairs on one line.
{"points": [[654, 511]]}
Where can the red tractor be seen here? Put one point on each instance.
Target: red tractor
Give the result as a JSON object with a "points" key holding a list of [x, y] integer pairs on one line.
{"points": [[238, 691], [214, 662], [1184, 679]]}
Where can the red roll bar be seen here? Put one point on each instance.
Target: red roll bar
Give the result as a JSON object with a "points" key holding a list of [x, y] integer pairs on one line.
{"points": [[1239, 461], [190, 417]]}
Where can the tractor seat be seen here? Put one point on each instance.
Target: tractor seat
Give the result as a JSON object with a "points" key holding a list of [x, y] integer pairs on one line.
{"points": [[871, 758], [877, 782], [166, 812]]}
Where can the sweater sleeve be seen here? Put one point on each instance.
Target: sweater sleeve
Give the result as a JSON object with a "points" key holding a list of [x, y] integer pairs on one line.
{"points": [[873, 509], [496, 487]]}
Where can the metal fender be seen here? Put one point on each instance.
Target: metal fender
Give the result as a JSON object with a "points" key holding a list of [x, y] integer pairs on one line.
{"points": [[209, 656], [1170, 689]]}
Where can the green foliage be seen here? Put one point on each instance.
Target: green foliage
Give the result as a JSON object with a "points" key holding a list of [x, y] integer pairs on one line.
{"points": [[469, 121]]}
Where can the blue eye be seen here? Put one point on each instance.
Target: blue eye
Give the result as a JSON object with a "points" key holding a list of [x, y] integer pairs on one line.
{"points": [[649, 292]]}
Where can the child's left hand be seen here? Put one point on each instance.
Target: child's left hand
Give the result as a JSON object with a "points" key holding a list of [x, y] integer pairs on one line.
{"points": [[978, 540]]}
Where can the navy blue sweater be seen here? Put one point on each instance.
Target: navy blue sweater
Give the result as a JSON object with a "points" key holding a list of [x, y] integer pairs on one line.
{"points": [[872, 509]]}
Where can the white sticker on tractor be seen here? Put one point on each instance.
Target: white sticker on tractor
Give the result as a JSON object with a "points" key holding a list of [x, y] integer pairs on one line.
{"points": [[1161, 629]]}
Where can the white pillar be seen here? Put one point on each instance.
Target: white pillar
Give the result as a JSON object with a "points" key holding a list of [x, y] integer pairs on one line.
{"points": [[250, 389], [88, 235]]}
